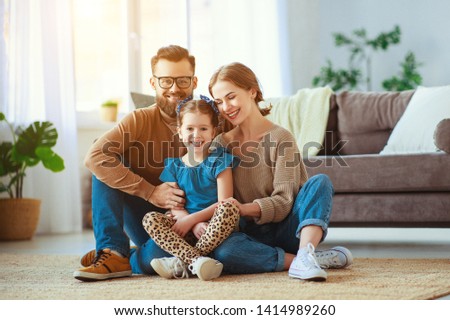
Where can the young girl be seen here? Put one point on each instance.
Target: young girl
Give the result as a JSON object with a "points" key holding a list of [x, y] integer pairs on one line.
{"points": [[204, 174]]}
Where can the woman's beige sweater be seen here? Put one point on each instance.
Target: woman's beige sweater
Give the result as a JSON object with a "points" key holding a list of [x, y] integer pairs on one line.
{"points": [[270, 173]]}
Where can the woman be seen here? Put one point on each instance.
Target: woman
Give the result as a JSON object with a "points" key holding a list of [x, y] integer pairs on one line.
{"points": [[284, 216]]}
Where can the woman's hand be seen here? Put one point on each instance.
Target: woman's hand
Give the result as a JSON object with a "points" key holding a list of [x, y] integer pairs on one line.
{"points": [[239, 205], [199, 229], [246, 209]]}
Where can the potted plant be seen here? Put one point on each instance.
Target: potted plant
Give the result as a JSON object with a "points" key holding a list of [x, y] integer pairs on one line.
{"points": [[359, 70], [19, 216], [109, 110]]}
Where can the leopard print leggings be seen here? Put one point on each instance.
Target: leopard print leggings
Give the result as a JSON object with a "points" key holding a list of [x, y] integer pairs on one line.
{"points": [[221, 225]]}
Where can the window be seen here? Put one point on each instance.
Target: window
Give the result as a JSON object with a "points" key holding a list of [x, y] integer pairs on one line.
{"points": [[114, 41], [99, 42]]}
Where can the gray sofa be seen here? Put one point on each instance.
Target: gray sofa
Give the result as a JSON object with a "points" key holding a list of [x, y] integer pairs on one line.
{"points": [[371, 190], [374, 190]]}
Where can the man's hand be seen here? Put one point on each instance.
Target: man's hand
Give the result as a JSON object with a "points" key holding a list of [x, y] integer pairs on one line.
{"points": [[168, 196]]}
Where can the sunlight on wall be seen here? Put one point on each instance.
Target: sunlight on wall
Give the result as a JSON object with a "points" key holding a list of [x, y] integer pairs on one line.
{"points": [[217, 32]]}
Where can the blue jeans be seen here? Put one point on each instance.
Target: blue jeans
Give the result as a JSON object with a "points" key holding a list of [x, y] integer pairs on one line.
{"points": [[261, 248], [117, 218]]}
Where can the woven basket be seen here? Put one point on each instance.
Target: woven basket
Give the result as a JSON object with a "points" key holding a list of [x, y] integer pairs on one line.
{"points": [[19, 218]]}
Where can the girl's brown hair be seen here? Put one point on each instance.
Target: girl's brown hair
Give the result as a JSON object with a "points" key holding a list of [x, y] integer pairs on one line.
{"points": [[241, 76], [200, 106]]}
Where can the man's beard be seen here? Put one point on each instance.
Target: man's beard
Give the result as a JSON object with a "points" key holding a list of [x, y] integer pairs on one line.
{"points": [[167, 107]]}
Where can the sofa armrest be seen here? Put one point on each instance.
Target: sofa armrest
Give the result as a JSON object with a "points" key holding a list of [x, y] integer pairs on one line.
{"points": [[442, 135]]}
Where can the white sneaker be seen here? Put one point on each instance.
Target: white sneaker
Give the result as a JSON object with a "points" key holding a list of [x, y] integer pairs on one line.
{"points": [[170, 268], [206, 268], [305, 266], [334, 258]]}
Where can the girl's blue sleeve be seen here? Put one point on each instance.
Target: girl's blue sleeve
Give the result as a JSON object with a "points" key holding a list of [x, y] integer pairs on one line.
{"points": [[169, 172], [222, 160]]}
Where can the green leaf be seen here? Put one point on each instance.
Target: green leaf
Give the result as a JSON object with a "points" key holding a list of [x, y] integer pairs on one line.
{"points": [[37, 134], [361, 33], [338, 79], [54, 163], [341, 40], [44, 152], [31, 146], [50, 159], [408, 78], [7, 163]]}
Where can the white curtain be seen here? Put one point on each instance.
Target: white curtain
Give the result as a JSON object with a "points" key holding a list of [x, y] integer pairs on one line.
{"points": [[39, 85], [253, 32]]}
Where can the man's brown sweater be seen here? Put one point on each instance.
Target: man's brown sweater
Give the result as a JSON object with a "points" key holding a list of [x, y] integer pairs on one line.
{"points": [[130, 157]]}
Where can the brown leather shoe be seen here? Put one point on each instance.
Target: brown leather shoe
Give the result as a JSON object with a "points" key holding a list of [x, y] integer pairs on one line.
{"points": [[106, 265], [89, 257]]}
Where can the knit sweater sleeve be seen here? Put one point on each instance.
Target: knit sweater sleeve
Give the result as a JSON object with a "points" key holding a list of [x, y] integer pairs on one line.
{"points": [[287, 176], [104, 158]]}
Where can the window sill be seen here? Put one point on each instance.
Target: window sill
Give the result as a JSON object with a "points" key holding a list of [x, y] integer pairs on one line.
{"points": [[90, 120]]}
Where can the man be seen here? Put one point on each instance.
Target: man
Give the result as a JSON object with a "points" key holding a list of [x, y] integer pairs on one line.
{"points": [[126, 163]]}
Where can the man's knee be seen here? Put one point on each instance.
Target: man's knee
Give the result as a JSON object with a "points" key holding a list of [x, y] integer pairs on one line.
{"points": [[225, 251]]}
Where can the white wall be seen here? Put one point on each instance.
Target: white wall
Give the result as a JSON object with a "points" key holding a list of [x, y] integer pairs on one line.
{"points": [[424, 25]]}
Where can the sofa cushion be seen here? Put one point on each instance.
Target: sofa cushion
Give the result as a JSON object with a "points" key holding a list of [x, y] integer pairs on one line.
{"points": [[414, 131], [363, 143], [442, 135], [370, 111], [331, 139], [142, 100], [373, 114], [376, 173], [409, 209]]}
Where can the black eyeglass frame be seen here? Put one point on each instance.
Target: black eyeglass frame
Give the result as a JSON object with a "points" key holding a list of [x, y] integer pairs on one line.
{"points": [[174, 80]]}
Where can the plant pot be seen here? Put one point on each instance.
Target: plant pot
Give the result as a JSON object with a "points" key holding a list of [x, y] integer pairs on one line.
{"points": [[108, 114], [19, 218]]}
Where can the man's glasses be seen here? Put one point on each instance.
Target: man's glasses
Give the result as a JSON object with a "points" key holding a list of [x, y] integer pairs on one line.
{"points": [[167, 82]]}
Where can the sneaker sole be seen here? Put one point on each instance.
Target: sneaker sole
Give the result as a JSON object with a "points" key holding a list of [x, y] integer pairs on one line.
{"points": [[310, 277], [348, 255], [88, 276], [210, 270], [160, 270]]}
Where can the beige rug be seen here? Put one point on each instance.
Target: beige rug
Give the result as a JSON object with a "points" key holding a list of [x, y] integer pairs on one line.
{"points": [[50, 277]]}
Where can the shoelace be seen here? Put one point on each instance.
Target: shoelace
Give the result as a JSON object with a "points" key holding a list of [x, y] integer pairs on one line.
{"points": [[309, 259], [179, 268], [327, 259], [101, 257]]}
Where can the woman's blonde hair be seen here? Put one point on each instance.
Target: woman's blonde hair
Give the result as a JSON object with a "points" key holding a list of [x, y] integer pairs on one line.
{"points": [[241, 76]]}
